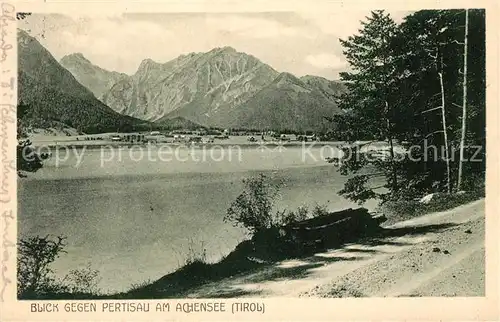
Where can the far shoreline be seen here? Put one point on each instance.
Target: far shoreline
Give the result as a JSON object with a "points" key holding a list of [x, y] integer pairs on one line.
{"points": [[246, 145]]}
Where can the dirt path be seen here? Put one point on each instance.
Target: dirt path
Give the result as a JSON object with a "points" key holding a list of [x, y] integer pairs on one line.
{"points": [[440, 254]]}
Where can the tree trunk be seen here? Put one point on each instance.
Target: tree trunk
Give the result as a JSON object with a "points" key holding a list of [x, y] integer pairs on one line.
{"points": [[394, 173], [464, 103], [391, 144], [445, 132]]}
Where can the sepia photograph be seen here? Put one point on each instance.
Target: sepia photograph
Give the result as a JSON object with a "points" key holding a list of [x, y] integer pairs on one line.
{"points": [[219, 155]]}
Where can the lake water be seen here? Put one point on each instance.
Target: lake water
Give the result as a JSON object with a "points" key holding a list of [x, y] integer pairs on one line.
{"points": [[134, 218]]}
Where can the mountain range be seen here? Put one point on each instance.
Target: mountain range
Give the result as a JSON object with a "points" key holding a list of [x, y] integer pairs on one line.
{"points": [[220, 88], [49, 94]]}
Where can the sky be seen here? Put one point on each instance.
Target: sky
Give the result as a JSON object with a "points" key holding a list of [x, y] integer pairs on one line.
{"points": [[296, 42]]}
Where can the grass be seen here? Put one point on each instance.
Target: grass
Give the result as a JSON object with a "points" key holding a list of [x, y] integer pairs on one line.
{"points": [[190, 276]]}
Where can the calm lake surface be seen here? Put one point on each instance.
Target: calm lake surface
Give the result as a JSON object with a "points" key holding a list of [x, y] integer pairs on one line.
{"points": [[134, 218]]}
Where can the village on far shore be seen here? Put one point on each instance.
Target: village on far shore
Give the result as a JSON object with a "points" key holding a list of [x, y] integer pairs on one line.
{"points": [[179, 136]]}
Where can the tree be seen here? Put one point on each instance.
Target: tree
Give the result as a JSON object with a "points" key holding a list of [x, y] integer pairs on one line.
{"points": [[464, 103], [433, 48], [27, 158], [22, 15], [253, 208], [36, 278], [424, 74], [82, 280], [368, 103], [35, 255]]}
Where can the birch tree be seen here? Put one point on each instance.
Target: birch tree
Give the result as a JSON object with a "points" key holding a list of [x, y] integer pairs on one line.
{"points": [[464, 103], [433, 60]]}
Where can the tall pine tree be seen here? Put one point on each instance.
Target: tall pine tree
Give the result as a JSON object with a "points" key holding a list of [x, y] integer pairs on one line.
{"points": [[369, 102]]}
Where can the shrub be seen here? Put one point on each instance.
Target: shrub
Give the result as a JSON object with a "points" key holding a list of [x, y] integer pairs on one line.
{"points": [[27, 158], [36, 278], [253, 208], [319, 210], [474, 182], [34, 275], [83, 280], [288, 217], [405, 209]]}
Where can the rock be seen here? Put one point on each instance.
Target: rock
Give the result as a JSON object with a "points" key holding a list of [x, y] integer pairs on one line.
{"points": [[446, 252], [468, 231], [96, 79], [428, 198], [436, 250]]}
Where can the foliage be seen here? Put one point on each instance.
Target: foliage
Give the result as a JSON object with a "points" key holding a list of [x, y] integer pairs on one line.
{"points": [[318, 210], [36, 278], [83, 280], [34, 275], [253, 208], [22, 15], [290, 216], [394, 96], [27, 158], [369, 101], [399, 210], [355, 189]]}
